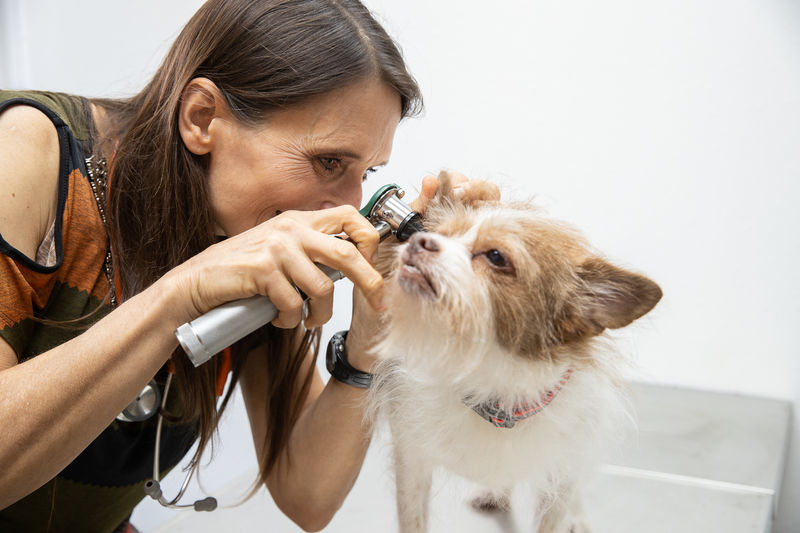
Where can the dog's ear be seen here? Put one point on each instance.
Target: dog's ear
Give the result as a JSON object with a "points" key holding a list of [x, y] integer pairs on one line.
{"points": [[613, 297]]}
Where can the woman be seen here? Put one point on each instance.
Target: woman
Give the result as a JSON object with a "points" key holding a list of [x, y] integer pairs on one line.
{"points": [[230, 173]]}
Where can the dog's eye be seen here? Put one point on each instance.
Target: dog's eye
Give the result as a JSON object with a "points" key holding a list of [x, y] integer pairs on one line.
{"points": [[496, 258]]}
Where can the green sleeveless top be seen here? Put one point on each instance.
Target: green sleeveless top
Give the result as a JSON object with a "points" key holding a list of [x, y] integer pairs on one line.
{"points": [[66, 281]]}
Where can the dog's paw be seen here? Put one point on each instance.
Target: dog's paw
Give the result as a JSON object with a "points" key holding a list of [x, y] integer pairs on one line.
{"points": [[491, 502]]}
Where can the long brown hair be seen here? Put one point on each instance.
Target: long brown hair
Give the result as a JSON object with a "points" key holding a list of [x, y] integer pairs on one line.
{"points": [[262, 55]]}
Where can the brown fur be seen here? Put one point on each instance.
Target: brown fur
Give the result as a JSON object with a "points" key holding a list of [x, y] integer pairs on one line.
{"points": [[571, 294]]}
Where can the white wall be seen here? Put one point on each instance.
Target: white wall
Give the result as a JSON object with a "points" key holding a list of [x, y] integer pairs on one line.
{"points": [[667, 131], [88, 47]]}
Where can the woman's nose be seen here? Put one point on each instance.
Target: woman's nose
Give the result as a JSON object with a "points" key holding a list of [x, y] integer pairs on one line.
{"points": [[346, 195]]}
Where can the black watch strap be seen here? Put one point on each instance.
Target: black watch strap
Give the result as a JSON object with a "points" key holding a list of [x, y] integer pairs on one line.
{"points": [[336, 361]]}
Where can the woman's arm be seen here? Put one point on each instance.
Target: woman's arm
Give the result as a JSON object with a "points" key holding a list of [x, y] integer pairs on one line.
{"points": [[53, 405], [327, 445]]}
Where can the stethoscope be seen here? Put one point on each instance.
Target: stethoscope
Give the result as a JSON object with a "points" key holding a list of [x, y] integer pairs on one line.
{"points": [[144, 406]]}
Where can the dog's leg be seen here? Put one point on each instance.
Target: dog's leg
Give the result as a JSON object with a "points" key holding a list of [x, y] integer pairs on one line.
{"points": [[413, 481], [562, 512]]}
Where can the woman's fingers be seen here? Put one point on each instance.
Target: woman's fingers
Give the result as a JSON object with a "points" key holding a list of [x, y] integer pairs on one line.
{"points": [[286, 299], [456, 178], [317, 286], [477, 191], [352, 257], [342, 255], [462, 187], [428, 190], [346, 219], [466, 190]]}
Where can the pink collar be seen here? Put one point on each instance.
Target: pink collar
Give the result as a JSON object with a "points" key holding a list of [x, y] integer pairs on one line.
{"points": [[503, 418]]}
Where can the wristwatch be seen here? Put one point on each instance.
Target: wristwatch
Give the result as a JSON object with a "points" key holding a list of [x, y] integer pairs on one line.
{"points": [[336, 361]]}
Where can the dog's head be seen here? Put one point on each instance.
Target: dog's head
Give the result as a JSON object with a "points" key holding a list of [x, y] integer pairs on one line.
{"points": [[487, 274]]}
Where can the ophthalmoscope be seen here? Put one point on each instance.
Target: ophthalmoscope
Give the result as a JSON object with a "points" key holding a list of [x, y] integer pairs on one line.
{"points": [[209, 334]]}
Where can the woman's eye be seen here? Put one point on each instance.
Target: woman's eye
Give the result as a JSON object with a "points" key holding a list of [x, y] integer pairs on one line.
{"points": [[330, 164], [367, 173], [496, 258]]}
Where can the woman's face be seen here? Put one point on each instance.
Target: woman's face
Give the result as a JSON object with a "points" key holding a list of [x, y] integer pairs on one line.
{"points": [[309, 156]]}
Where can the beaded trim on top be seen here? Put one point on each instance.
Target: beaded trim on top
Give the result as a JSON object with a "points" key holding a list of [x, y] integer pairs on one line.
{"points": [[97, 170]]}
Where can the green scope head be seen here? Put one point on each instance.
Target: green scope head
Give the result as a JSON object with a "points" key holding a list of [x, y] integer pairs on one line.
{"points": [[389, 214], [366, 211]]}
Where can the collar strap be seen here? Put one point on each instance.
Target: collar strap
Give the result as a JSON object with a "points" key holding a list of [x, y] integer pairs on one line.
{"points": [[492, 411]]}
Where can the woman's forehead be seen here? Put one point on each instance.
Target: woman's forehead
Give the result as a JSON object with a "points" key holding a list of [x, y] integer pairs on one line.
{"points": [[357, 121]]}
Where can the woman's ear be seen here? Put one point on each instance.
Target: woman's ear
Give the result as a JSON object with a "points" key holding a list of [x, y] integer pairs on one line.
{"points": [[201, 103]]}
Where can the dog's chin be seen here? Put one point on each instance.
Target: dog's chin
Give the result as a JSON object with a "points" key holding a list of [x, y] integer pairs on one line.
{"points": [[416, 281]]}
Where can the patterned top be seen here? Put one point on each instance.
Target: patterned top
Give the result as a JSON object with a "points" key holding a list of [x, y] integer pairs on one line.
{"points": [[100, 488]]}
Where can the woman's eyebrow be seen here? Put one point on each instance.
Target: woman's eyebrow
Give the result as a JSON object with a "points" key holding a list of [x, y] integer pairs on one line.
{"points": [[349, 155]]}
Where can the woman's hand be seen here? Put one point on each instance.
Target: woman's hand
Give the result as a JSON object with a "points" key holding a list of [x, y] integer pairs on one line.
{"points": [[427, 191], [278, 255], [470, 190]]}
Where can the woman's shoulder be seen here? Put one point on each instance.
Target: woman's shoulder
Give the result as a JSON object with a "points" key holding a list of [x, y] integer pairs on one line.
{"points": [[29, 176]]}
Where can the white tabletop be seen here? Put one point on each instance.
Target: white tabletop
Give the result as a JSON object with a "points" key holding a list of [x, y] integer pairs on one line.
{"points": [[704, 462]]}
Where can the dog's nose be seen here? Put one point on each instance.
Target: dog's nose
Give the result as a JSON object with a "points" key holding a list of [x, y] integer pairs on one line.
{"points": [[422, 241]]}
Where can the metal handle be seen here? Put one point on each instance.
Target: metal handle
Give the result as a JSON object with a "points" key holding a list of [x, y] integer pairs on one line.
{"points": [[209, 334]]}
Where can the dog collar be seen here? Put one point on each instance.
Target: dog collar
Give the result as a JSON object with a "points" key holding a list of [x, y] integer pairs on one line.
{"points": [[506, 418]]}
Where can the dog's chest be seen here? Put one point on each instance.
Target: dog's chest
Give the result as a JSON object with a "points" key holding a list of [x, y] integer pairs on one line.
{"points": [[436, 428]]}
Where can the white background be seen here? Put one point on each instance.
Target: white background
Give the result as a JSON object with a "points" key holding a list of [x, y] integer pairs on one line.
{"points": [[668, 131]]}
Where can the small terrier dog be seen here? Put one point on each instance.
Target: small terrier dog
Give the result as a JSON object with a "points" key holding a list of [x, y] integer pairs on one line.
{"points": [[489, 365]]}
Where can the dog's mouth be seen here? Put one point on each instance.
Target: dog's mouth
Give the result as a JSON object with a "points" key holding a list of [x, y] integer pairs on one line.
{"points": [[413, 278]]}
